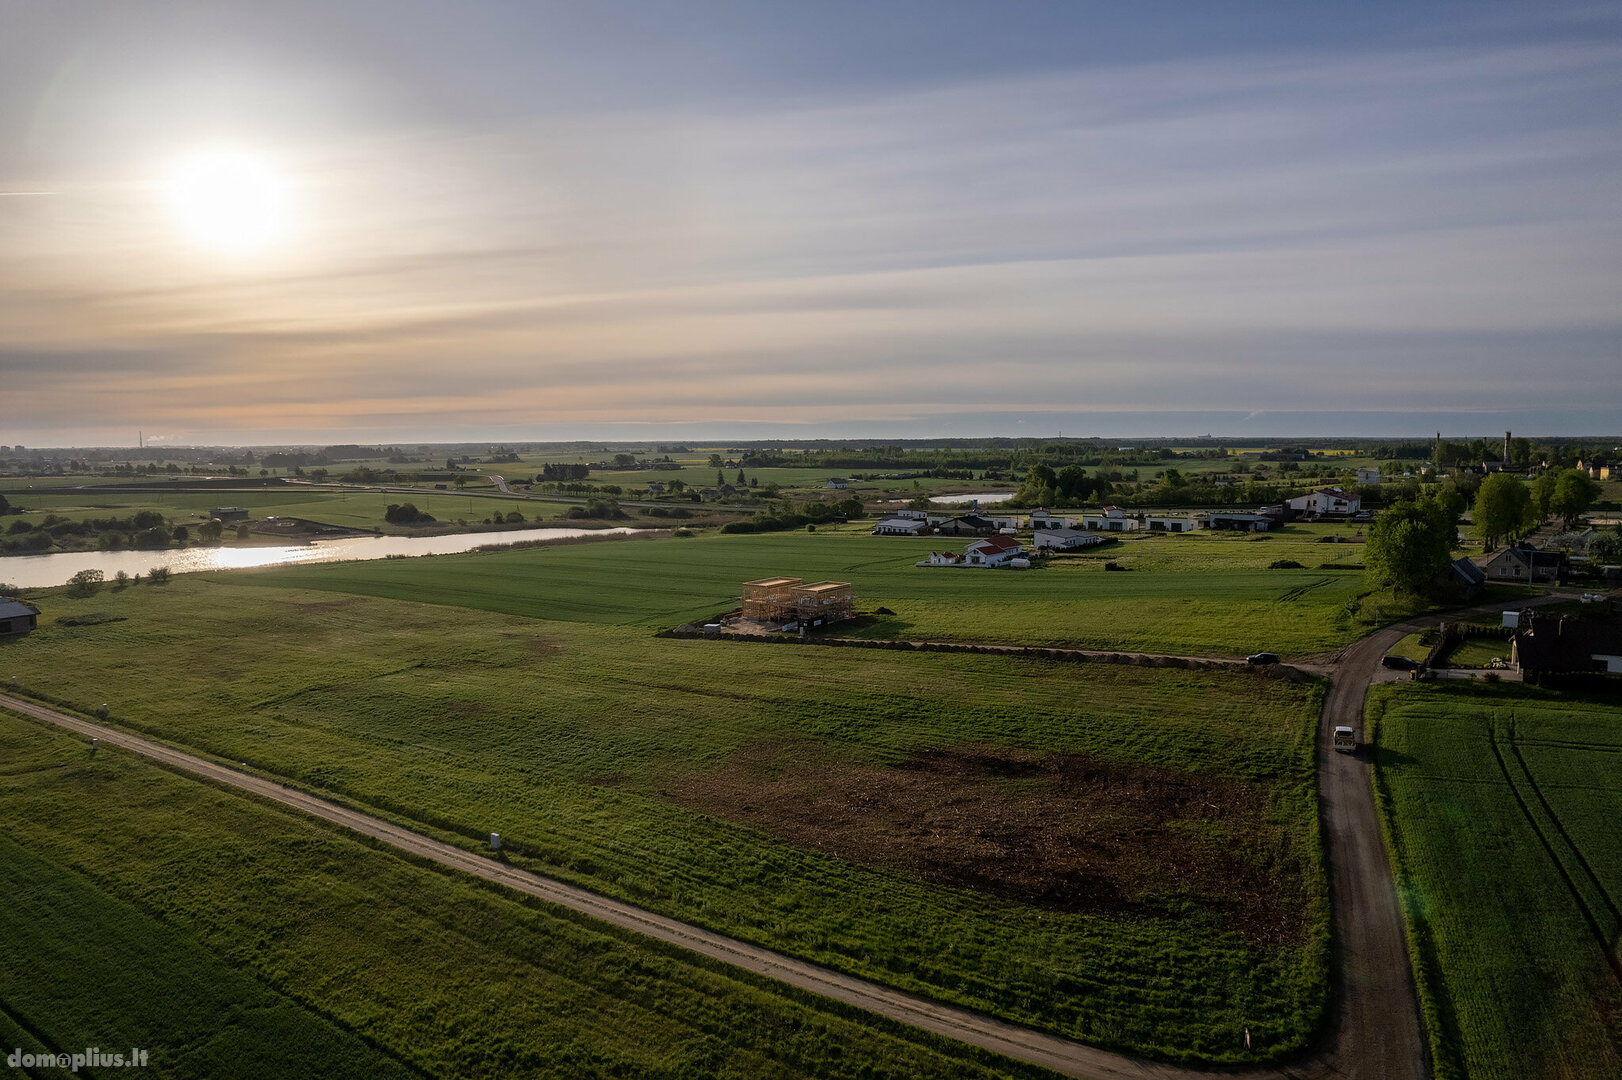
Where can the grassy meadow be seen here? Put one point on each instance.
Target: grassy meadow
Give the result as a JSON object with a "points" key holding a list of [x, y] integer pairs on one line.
{"points": [[231, 938], [1205, 594], [607, 757], [1501, 805]]}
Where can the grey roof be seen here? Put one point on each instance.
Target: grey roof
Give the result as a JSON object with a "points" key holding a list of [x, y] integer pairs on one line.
{"points": [[1469, 572], [10, 609]]}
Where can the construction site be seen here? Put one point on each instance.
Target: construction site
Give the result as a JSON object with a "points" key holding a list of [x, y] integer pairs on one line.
{"points": [[782, 600]]}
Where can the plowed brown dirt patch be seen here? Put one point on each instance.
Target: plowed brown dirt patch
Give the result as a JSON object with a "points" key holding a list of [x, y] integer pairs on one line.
{"points": [[1065, 831]]}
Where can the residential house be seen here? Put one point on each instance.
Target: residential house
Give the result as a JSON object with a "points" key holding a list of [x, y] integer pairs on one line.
{"points": [[16, 617], [1326, 501], [1561, 645], [1065, 539], [838, 482], [1526, 564], [1175, 523], [1110, 519], [992, 551], [900, 526], [965, 525], [1046, 519], [1368, 476], [1243, 522]]}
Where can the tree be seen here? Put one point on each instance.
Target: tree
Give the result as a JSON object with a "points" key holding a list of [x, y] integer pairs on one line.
{"points": [[158, 575], [1574, 493], [182, 534], [5, 507], [210, 531], [1503, 508], [715, 461], [1408, 546], [741, 481], [1606, 547], [1543, 493], [85, 583]]}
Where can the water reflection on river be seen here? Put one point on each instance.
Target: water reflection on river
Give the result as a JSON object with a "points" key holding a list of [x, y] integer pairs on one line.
{"points": [[40, 571]]}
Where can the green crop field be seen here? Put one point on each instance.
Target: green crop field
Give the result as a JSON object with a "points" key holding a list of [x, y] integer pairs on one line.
{"points": [[228, 938], [1127, 855], [1501, 804], [1205, 594]]}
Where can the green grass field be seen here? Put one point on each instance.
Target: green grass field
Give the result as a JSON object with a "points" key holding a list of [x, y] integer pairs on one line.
{"points": [[1205, 594], [1501, 805], [229, 938], [608, 758]]}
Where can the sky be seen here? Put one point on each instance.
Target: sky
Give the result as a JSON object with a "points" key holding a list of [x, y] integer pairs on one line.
{"points": [[527, 220]]}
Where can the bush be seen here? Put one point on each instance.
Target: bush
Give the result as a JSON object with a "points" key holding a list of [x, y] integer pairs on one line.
{"points": [[1285, 564], [85, 583], [158, 575], [405, 514], [121, 579]]}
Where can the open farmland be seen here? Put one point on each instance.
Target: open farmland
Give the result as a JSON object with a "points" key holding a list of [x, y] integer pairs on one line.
{"points": [[1501, 804], [1185, 595], [235, 939], [665, 772]]}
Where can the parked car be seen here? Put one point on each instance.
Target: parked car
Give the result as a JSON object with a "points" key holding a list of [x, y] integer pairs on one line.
{"points": [[1400, 663], [1345, 740], [1262, 658]]}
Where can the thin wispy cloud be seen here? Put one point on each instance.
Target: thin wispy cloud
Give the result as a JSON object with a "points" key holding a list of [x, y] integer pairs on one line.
{"points": [[1404, 228]]}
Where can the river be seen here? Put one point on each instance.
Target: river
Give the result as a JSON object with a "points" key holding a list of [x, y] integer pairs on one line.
{"points": [[42, 571]]}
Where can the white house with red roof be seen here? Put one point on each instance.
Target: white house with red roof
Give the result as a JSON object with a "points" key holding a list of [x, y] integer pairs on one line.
{"points": [[1327, 501], [992, 551]]}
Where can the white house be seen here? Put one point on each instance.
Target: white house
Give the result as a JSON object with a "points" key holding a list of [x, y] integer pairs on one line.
{"points": [[992, 551], [1110, 519], [1368, 476], [1065, 539], [1170, 523], [1243, 522], [1045, 519], [838, 482], [1327, 501], [920, 515], [900, 526]]}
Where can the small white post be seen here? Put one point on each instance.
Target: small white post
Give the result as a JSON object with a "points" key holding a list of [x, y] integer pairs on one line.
{"points": [[94, 744], [495, 841]]}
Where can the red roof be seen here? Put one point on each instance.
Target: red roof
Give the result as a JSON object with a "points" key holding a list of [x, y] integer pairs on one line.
{"points": [[997, 543]]}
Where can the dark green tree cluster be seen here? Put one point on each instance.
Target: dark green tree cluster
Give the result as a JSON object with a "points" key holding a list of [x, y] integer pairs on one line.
{"points": [[1411, 543], [405, 514]]}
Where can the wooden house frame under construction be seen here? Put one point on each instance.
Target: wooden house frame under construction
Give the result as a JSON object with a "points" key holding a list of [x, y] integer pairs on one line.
{"points": [[778, 600]]}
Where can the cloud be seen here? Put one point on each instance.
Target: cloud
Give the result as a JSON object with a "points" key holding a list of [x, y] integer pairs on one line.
{"points": [[1428, 228]]}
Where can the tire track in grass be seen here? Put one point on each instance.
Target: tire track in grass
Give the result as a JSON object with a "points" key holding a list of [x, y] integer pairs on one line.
{"points": [[1571, 885], [1582, 861]]}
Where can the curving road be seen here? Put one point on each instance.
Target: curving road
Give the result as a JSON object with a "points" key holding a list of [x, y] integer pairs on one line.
{"points": [[1375, 1032]]}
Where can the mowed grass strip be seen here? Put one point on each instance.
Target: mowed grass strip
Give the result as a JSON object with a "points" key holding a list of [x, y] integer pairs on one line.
{"points": [[1501, 804], [146, 908], [575, 740], [1198, 595]]}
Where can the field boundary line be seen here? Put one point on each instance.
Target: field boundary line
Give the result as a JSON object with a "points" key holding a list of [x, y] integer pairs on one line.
{"points": [[1559, 865], [1559, 827]]}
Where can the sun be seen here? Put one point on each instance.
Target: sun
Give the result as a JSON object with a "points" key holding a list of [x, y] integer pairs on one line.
{"points": [[228, 200]]}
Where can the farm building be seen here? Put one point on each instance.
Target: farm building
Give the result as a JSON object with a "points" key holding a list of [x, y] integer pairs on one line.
{"points": [[778, 600], [1326, 501], [992, 551], [839, 482], [1065, 539], [1368, 476], [16, 617], [1560, 645], [1111, 519], [1171, 523], [1527, 564], [900, 526], [229, 514]]}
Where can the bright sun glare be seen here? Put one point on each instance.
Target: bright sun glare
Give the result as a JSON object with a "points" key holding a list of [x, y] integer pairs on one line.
{"points": [[228, 200]]}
